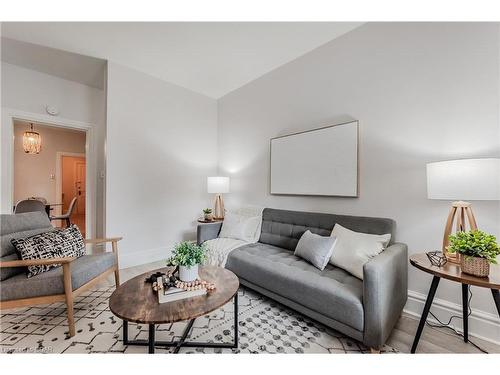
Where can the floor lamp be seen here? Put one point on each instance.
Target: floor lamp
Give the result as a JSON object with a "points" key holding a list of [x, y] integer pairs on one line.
{"points": [[459, 180], [218, 186]]}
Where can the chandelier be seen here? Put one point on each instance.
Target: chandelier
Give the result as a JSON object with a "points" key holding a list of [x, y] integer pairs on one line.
{"points": [[32, 141]]}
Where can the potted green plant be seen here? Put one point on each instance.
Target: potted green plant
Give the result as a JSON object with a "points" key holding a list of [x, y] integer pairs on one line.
{"points": [[477, 249], [207, 214], [187, 255]]}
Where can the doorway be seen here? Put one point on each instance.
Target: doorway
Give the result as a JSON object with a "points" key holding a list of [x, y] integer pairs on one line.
{"points": [[16, 177], [73, 185], [36, 173]]}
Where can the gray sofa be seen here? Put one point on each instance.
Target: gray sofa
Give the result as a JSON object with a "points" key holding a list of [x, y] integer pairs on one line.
{"points": [[365, 310]]}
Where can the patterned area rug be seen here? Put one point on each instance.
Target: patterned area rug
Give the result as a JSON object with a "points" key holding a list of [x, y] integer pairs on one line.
{"points": [[265, 327]]}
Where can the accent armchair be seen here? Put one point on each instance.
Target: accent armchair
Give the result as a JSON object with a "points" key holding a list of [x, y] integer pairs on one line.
{"points": [[59, 284]]}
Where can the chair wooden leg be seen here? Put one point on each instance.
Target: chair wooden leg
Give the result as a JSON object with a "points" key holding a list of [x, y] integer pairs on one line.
{"points": [[68, 291], [117, 277], [68, 223], [114, 246]]}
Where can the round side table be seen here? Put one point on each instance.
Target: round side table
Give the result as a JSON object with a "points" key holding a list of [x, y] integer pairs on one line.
{"points": [[452, 271]]}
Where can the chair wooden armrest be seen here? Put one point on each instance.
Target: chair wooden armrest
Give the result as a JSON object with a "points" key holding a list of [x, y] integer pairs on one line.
{"points": [[102, 240], [36, 262]]}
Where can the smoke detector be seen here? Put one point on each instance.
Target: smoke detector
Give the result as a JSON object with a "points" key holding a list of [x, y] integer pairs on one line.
{"points": [[51, 110]]}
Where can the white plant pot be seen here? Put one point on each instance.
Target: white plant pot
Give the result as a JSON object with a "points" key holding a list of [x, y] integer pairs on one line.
{"points": [[188, 273]]}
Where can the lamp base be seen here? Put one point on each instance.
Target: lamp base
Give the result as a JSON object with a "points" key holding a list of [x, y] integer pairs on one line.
{"points": [[462, 211], [218, 207]]}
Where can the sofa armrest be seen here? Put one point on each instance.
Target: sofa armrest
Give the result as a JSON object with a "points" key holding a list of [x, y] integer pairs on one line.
{"points": [[207, 231], [385, 290], [36, 262], [113, 240], [102, 240]]}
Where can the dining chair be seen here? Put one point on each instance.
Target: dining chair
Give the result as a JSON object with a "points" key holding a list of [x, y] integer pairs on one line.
{"points": [[66, 217], [29, 205], [41, 199]]}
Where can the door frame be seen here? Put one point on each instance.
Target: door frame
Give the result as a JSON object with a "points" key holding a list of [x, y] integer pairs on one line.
{"points": [[9, 115], [59, 156]]}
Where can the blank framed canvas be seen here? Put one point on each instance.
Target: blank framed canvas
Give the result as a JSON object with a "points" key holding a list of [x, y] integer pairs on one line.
{"points": [[322, 161]]}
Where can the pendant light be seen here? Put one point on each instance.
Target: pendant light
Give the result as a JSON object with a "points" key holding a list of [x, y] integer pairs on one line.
{"points": [[32, 141]]}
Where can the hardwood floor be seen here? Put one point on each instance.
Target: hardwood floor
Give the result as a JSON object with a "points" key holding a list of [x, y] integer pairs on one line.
{"points": [[433, 340]]}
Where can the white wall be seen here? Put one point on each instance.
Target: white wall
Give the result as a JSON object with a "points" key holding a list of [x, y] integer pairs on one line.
{"points": [[161, 146], [421, 93], [32, 173], [30, 91]]}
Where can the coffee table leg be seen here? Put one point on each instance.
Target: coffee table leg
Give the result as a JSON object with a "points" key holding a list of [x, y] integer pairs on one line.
{"points": [[183, 337], [465, 310], [125, 332], [151, 340], [236, 320], [427, 307], [496, 298]]}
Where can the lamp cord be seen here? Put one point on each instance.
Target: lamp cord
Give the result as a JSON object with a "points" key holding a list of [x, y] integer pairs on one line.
{"points": [[450, 327]]}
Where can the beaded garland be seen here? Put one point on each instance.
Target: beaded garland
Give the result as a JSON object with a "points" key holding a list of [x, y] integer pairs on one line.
{"points": [[169, 280], [195, 285]]}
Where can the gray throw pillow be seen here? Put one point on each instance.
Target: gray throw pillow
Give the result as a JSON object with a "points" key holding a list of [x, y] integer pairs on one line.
{"points": [[316, 249]]}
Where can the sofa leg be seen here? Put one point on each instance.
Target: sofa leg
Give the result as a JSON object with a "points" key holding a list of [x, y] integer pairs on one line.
{"points": [[117, 277], [374, 351], [68, 291]]}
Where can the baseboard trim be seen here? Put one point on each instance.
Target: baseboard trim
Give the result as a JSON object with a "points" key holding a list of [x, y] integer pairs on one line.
{"points": [[482, 325], [137, 258]]}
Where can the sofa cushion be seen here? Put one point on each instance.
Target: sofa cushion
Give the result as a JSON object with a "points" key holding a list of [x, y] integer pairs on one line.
{"points": [[83, 270], [6, 272], [284, 228], [331, 292], [19, 226]]}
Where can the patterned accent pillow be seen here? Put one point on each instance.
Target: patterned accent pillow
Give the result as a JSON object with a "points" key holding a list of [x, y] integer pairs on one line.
{"points": [[66, 242]]}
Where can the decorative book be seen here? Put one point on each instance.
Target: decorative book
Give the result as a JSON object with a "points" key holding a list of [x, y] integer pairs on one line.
{"points": [[175, 294], [170, 288]]}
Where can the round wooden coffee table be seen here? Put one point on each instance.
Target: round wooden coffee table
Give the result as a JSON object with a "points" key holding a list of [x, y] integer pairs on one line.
{"points": [[135, 301]]}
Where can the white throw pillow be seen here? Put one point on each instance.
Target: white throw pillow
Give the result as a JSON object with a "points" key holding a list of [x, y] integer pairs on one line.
{"points": [[353, 249], [254, 212], [239, 227]]}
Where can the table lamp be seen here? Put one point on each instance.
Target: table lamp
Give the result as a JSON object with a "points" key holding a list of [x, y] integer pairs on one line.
{"points": [[218, 186], [459, 180]]}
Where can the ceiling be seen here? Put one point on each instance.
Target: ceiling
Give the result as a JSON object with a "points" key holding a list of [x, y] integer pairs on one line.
{"points": [[83, 69], [209, 58]]}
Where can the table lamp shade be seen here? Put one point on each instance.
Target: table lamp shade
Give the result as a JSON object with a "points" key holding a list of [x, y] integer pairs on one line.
{"points": [[218, 185], [467, 179]]}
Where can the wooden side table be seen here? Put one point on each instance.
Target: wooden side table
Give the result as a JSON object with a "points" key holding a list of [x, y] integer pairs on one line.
{"points": [[452, 271], [202, 220]]}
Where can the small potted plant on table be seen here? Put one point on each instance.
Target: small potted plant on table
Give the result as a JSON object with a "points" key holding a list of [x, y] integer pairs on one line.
{"points": [[207, 214], [187, 256], [477, 250]]}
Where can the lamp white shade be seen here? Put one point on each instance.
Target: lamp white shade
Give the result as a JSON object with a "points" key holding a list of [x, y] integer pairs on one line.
{"points": [[218, 185], [467, 179]]}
